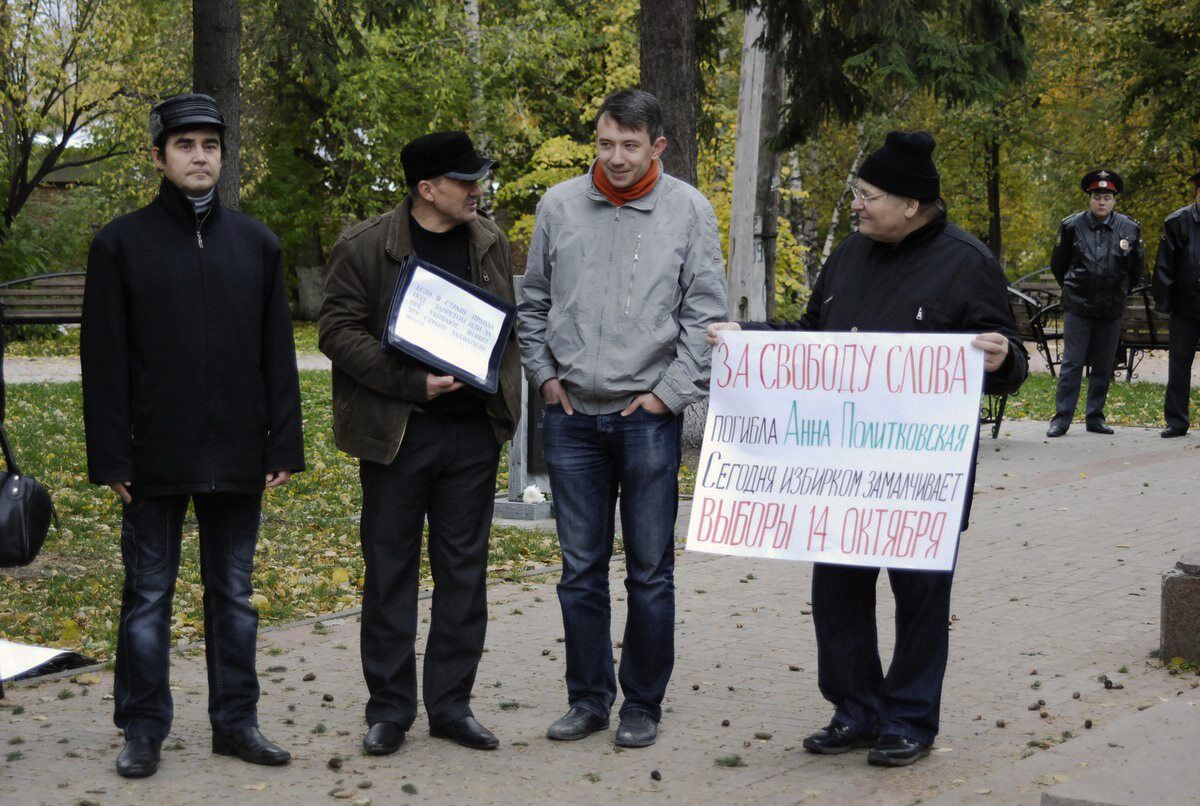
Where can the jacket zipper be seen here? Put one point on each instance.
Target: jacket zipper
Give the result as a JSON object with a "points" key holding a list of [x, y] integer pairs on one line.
{"points": [[637, 250], [600, 328], [212, 473]]}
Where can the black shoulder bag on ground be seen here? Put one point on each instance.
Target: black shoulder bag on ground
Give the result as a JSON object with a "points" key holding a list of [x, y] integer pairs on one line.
{"points": [[25, 512]]}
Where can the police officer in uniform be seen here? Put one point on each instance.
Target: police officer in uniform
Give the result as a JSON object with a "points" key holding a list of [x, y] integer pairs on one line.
{"points": [[1097, 259], [1177, 292]]}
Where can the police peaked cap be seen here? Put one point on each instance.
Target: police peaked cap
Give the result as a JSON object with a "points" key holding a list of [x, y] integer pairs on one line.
{"points": [[188, 111], [1102, 181]]}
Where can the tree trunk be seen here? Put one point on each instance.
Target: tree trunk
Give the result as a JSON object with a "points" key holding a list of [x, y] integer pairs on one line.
{"points": [[802, 214], [992, 167], [766, 196], [670, 70], [836, 216], [747, 267], [216, 41]]}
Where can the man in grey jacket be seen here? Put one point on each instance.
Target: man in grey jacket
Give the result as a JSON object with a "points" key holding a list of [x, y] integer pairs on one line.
{"points": [[625, 274]]}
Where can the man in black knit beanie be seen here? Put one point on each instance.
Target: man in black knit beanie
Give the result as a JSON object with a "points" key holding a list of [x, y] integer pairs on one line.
{"points": [[907, 270]]}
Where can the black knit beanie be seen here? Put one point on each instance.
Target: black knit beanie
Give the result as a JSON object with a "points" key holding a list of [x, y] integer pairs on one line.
{"points": [[904, 166]]}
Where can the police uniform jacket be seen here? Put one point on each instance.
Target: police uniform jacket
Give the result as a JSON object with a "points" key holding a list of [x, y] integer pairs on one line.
{"points": [[939, 279], [1177, 267], [1097, 263]]}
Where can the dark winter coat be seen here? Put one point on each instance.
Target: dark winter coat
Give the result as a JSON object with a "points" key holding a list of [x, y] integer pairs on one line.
{"points": [[1097, 263], [1177, 267], [189, 366], [937, 280]]}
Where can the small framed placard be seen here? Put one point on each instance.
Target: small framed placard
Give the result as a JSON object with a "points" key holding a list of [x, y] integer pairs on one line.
{"points": [[451, 325]]}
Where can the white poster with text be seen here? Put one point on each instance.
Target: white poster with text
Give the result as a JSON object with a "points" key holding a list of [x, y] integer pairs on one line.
{"points": [[849, 448]]}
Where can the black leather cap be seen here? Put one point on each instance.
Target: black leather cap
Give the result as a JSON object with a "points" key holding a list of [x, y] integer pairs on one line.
{"points": [[449, 154], [189, 110]]}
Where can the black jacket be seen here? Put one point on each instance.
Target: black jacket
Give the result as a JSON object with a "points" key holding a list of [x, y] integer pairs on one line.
{"points": [[1097, 263], [937, 280], [1177, 267], [189, 366]]}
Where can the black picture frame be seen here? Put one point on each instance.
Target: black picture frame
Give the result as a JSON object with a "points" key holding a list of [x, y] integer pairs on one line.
{"points": [[392, 343]]}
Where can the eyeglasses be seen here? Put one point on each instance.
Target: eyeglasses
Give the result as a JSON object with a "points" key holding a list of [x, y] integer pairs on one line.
{"points": [[857, 193]]}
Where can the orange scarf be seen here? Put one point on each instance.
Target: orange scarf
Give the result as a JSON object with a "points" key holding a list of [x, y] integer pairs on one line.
{"points": [[622, 196]]}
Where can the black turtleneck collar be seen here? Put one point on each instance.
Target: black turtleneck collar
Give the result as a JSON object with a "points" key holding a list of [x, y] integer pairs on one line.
{"points": [[180, 208], [922, 234]]}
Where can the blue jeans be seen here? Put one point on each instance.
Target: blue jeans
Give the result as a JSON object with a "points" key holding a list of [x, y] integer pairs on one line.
{"points": [[151, 533], [592, 460], [906, 700]]}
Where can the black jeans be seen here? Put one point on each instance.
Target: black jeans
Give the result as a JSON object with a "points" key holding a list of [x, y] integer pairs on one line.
{"points": [[592, 460], [849, 672], [446, 470], [1185, 331], [1091, 341], [151, 532]]}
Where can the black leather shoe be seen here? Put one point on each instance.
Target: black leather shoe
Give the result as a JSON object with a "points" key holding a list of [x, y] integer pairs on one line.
{"points": [[836, 738], [249, 745], [139, 757], [1099, 428], [576, 724], [896, 751], [467, 731], [1172, 431], [1056, 430], [636, 729], [383, 738]]}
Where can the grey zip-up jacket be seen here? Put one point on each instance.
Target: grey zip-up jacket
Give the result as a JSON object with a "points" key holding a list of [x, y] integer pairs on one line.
{"points": [[616, 300]]}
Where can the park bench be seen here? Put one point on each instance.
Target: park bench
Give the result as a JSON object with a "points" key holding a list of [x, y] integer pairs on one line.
{"points": [[1142, 329], [1040, 285], [44, 299], [1034, 324]]}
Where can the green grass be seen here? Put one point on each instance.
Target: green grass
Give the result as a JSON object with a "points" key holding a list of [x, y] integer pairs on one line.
{"points": [[308, 561], [43, 341], [1135, 404]]}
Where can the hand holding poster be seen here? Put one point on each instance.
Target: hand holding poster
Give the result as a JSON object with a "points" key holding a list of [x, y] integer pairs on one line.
{"points": [[449, 324], [850, 448]]}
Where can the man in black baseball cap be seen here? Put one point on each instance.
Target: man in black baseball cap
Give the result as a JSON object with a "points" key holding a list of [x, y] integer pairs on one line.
{"points": [[1097, 259], [428, 447], [1177, 292]]}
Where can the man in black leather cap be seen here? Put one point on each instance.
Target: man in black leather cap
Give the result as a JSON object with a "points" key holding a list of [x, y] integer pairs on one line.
{"points": [[428, 447], [190, 395], [1097, 259], [1177, 292], [906, 270]]}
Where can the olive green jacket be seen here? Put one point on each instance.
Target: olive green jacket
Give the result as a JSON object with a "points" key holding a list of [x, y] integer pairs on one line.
{"points": [[375, 392]]}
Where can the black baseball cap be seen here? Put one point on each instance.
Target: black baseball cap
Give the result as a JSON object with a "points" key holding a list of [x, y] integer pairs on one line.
{"points": [[190, 110], [449, 154]]}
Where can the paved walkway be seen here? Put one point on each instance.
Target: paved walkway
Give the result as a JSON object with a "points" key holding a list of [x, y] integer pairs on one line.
{"points": [[1058, 582]]}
